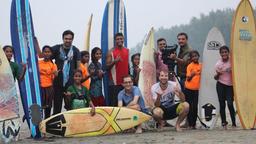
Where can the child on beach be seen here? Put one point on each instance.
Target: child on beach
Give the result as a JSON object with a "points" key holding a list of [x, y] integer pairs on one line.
{"points": [[48, 70], [84, 67], [18, 73], [192, 84], [135, 68], [224, 86], [96, 72], [78, 94]]}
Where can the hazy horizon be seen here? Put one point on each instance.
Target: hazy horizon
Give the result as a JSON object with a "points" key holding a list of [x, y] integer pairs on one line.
{"points": [[52, 17]]}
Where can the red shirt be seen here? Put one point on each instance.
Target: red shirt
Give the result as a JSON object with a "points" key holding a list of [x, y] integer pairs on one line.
{"points": [[121, 68]]}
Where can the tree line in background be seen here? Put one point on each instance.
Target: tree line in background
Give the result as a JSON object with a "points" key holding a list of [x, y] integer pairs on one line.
{"points": [[197, 29]]}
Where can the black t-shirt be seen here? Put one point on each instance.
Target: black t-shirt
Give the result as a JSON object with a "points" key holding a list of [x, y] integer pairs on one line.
{"points": [[59, 62]]}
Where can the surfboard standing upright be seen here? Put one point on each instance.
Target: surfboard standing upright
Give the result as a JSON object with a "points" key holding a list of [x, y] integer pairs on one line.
{"points": [[208, 98], [107, 120], [22, 33], [114, 21], [148, 69], [88, 35], [9, 105], [243, 44]]}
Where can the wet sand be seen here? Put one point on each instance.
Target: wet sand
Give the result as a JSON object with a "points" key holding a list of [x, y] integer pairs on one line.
{"points": [[155, 136]]}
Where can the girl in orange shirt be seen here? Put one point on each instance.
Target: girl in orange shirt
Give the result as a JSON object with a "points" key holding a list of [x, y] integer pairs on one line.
{"points": [[192, 84], [84, 68], [47, 70]]}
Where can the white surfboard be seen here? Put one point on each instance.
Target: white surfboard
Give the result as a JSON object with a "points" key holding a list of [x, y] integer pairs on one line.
{"points": [[148, 69], [208, 98]]}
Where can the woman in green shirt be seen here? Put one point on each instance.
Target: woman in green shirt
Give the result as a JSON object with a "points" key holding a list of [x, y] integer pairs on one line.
{"points": [[17, 72]]}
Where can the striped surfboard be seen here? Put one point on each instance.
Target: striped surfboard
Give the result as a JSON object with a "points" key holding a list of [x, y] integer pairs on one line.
{"points": [[114, 21], [22, 34]]}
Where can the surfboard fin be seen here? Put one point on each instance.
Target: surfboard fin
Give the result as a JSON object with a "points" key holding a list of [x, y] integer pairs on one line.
{"points": [[23, 118], [35, 113], [202, 123]]}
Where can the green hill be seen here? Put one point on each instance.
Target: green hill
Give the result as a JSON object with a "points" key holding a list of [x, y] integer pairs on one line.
{"points": [[197, 29]]}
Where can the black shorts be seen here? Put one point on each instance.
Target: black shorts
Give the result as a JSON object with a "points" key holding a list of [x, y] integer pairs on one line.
{"points": [[113, 91], [170, 112]]}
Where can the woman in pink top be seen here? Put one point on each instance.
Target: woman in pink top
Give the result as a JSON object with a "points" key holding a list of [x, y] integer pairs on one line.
{"points": [[224, 86]]}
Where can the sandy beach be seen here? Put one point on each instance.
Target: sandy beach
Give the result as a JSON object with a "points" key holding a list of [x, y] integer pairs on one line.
{"points": [[163, 136]]}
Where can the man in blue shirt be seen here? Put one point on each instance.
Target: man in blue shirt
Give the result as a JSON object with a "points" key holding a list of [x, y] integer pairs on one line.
{"points": [[131, 97]]}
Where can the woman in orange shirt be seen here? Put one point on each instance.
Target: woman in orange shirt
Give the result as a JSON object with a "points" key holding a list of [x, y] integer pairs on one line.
{"points": [[192, 85], [47, 70]]}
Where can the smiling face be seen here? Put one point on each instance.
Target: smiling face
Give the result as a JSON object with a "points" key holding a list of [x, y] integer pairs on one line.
{"points": [[136, 60], [98, 55], [127, 83], [67, 40], [8, 52], [194, 57], [161, 44], [78, 77], [163, 77], [119, 41], [224, 53]]}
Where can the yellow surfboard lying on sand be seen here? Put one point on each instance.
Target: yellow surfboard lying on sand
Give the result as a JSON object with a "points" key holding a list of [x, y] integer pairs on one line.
{"points": [[243, 44], [79, 123]]}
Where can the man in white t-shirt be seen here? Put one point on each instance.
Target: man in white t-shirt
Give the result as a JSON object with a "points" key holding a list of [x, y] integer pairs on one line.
{"points": [[165, 108]]}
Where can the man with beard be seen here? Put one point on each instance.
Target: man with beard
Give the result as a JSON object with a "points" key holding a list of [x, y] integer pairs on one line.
{"points": [[183, 57], [67, 59], [165, 108]]}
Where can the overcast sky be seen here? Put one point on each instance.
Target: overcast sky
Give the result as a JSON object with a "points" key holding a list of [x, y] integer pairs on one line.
{"points": [[52, 17]]}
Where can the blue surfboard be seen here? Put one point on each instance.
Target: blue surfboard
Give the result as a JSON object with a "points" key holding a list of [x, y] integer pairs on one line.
{"points": [[114, 21], [22, 34]]}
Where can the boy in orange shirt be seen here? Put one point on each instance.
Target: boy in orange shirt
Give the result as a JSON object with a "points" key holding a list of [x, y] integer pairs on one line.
{"points": [[84, 68], [192, 85], [47, 70]]}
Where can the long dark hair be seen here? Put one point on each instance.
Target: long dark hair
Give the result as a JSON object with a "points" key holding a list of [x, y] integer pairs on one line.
{"points": [[93, 58], [8, 46], [133, 57]]}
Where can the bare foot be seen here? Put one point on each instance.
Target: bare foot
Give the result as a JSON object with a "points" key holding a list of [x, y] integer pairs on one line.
{"points": [[178, 129], [138, 131], [160, 124]]}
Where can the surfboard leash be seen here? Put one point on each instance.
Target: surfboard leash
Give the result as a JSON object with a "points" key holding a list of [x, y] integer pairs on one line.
{"points": [[202, 123]]}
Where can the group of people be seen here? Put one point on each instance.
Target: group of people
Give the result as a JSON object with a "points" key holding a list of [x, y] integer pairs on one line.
{"points": [[66, 74]]}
